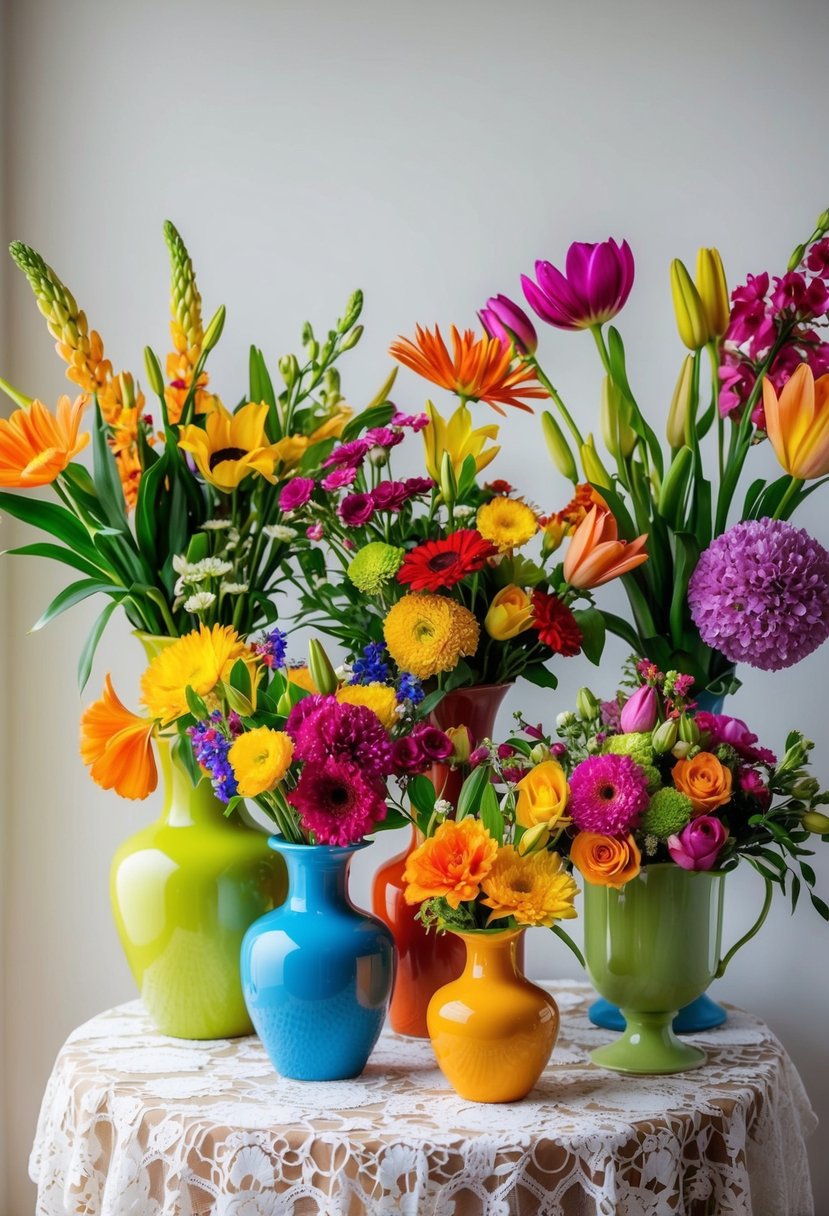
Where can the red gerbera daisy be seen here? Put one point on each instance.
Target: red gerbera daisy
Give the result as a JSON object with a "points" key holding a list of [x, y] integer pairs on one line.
{"points": [[556, 625], [442, 563]]}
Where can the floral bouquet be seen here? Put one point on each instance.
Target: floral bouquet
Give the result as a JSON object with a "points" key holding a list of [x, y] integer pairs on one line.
{"points": [[724, 584], [177, 523], [435, 568]]}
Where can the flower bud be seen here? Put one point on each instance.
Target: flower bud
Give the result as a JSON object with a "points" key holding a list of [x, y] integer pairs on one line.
{"points": [[805, 788], [503, 319], [690, 315], [682, 750], [713, 291], [587, 707], [814, 821], [540, 753], [448, 482], [565, 719], [688, 729], [680, 404], [594, 470], [553, 534], [798, 254], [154, 376], [352, 311], [664, 737], [619, 437], [289, 369], [461, 739], [535, 837], [558, 447], [214, 329], [319, 665], [313, 349], [641, 711], [823, 221], [353, 338]]}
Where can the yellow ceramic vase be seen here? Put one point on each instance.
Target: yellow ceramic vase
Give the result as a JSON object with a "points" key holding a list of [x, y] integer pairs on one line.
{"points": [[492, 1030]]}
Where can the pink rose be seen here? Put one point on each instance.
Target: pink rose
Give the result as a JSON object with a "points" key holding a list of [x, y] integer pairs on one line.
{"points": [[698, 844], [356, 510], [640, 711]]}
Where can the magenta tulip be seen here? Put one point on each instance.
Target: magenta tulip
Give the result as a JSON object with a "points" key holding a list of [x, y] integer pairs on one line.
{"points": [[699, 843], [504, 320], [640, 711], [596, 286]]}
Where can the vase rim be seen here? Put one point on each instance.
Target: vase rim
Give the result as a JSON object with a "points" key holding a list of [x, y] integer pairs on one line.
{"points": [[476, 935], [660, 865], [479, 687], [280, 845]]}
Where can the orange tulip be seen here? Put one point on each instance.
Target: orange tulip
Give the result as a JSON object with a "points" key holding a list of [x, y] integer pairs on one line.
{"points": [[116, 746], [596, 555], [797, 423], [36, 445]]}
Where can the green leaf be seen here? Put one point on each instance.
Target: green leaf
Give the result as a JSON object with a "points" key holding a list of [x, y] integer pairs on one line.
{"points": [[819, 906], [752, 498], [196, 705], [472, 791], [58, 554], [808, 873], [459, 675], [57, 521], [422, 796], [539, 675], [91, 644], [594, 633], [490, 815], [183, 752], [236, 700], [71, 595], [375, 415], [469, 472], [107, 481], [150, 513], [240, 678], [430, 701], [198, 548]]}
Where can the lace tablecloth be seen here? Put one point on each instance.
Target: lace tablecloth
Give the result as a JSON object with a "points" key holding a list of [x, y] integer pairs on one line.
{"points": [[136, 1124]]}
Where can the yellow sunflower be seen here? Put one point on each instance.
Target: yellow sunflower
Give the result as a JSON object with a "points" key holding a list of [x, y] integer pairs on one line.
{"points": [[507, 523], [260, 758], [198, 660], [379, 698], [230, 446], [535, 889], [427, 634]]}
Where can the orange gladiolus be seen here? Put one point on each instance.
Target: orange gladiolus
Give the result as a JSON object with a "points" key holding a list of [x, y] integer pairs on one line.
{"points": [[453, 863], [116, 746], [596, 555], [479, 369], [797, 423], [36, 445]]}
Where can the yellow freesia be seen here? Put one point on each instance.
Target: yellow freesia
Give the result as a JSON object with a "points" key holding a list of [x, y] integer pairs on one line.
{"points": [[231, 446], [457, 438]]}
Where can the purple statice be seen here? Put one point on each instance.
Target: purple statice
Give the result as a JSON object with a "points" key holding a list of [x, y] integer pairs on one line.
{"points": [[210, 747], [271, 650], [607, 794], [760, 594], [409, 688], [339, 731], [371, 667]]}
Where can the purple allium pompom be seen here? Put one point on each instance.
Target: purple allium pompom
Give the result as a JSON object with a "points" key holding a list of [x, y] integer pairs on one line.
{"points": [[607, 794], [760, 594]]}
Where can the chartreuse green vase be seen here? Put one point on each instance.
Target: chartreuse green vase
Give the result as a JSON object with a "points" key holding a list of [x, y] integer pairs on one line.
{"points": [[184, 891], [651, 947]]}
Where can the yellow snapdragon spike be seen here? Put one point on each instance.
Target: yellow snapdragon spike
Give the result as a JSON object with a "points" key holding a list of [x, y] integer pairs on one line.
{"points": [[713, 291], [457, 438], [691, 319]]}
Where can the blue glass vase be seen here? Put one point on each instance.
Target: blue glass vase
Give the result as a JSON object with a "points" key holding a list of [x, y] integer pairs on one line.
{"points": [[701, 1014], [317, 972]]}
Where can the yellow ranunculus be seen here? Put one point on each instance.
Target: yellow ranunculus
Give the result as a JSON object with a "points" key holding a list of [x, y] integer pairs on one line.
{"points": [[260, 758], [510, 613], [230, 446], [457, 438], [543, 796]]}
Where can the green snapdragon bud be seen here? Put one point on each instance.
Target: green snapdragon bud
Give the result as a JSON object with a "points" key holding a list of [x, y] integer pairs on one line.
{"points": [[558, 447], [664, 737], [353, 338], [540, 753], [352, 311], [214, 329], [154, 375]]}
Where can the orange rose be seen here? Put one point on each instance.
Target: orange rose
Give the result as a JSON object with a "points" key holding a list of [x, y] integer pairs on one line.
{"points": [[452, 863], [606, 861], [704, 780]]}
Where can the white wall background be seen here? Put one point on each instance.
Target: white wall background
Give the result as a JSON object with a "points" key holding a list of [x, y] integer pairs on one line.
{"points": [[427, 153]]}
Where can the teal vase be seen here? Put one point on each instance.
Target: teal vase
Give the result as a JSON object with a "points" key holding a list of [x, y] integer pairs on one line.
{"points": [[651, 947]]}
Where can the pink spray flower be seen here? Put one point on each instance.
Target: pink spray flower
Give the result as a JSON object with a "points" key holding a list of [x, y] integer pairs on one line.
{"points": [[596, 285], [296, 493], [640, 711], [752, 783], [721, 728], [315, 531], [699, 843], [389, 495], [408, 756], [352, 454], [415, 422], [338, 478], [504, 320], [356, 510]]}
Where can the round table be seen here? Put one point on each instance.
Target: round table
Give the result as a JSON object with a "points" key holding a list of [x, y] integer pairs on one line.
{"points": [[136, 1124]]}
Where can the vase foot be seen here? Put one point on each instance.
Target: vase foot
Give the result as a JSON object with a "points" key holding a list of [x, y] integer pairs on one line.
{"points": [[701, 1014], [648, 1047]]}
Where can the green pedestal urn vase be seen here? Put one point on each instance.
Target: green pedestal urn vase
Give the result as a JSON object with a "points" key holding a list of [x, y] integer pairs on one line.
{"points": [[184, 891], [651, 947]]}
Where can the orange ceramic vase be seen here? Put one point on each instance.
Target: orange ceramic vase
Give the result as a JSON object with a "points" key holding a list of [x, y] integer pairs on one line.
{"points": [[427, 961], [492, 1030]]}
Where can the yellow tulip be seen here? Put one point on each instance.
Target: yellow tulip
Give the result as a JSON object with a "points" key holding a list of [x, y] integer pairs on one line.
{"points": [[510, 613], [691, 320], [713, 291], [542, 796], [797, 423], [457, 438]]}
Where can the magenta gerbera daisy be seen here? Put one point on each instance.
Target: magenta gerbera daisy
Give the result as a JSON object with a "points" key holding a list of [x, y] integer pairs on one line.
{"points": [[607, 794], [337, 802]]}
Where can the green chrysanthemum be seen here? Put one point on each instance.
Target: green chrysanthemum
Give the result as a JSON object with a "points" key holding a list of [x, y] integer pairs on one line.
{"points": [[654, 777], [668, 812], [636, 744], [374, 566]]}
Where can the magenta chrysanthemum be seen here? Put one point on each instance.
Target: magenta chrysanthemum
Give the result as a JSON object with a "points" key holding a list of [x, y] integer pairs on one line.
{"points": [[607, 794], [332, 730], [760, 594], [337, 802]]}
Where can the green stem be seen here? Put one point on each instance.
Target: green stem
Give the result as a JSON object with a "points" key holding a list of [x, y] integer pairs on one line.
{"points": [[544, 379], [793, 487]]}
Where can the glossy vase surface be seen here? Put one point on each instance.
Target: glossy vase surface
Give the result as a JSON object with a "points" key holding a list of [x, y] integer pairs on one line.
{"points": [[427, 961], [651, 947], [491, 1029], [317, 972], [184, 890]]}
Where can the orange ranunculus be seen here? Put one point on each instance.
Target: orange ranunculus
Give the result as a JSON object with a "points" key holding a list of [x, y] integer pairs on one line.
{"points": [[606, 861], [453, 863], [116, 746], [704, 780], [36, 445], [797, 423], [510, 613], [542, 796], [595, 555]]}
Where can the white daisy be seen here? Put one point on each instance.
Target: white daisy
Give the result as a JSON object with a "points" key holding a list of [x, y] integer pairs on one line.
{"points": [[279, 532], [199, 602]]}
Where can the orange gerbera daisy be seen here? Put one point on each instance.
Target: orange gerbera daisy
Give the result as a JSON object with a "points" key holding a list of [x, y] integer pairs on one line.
{"points": [[116, 746], [479, 369], [36, 445]]}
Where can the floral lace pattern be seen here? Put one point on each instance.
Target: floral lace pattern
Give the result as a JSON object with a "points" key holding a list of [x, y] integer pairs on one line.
{"points": [[136, 1124]]}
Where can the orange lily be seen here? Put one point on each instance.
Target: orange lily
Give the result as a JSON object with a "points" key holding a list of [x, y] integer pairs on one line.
{"points": [[479, 369], [36, 445], [797, 423], [596, 555], [116, 746]]}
